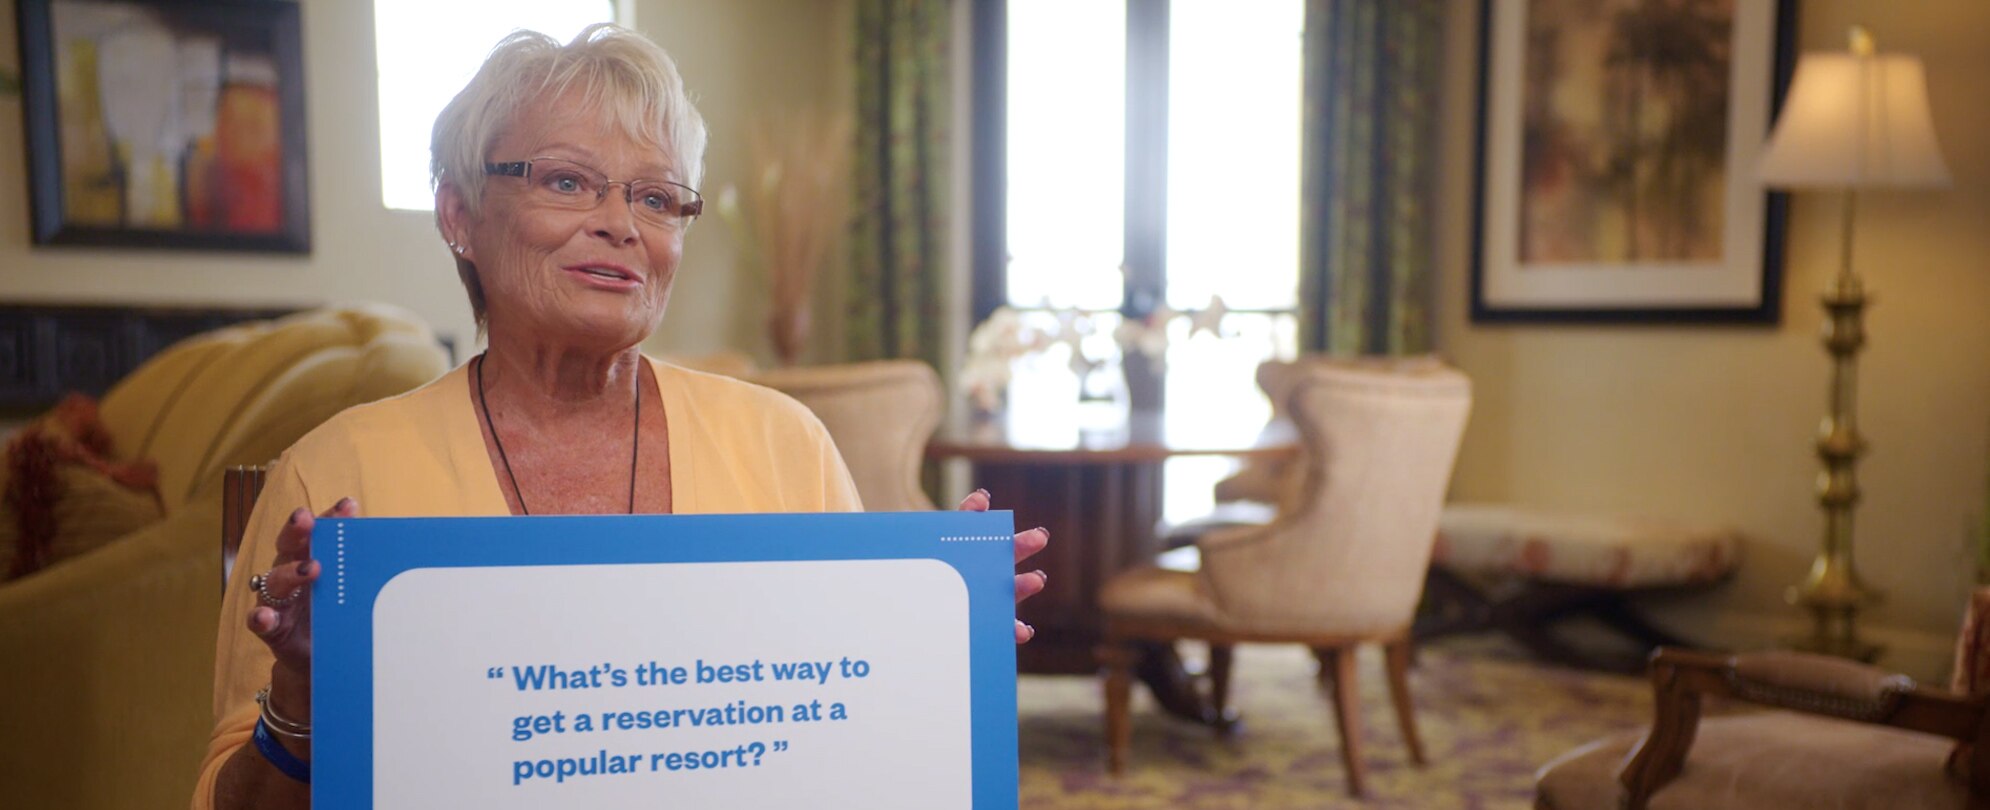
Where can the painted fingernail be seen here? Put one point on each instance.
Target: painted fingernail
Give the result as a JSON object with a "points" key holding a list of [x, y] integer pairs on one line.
{"points": [[1043, 531], [1042, 576]]}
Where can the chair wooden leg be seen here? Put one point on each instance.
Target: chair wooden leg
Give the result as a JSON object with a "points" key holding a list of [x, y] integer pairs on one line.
{"points": [[1117, 661], [1220, 659], [1325, 675], [1398, 654], [1347, 713]]}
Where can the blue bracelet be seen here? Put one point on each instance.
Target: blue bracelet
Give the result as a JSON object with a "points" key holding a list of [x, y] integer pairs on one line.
{"points": [[280, 756]]}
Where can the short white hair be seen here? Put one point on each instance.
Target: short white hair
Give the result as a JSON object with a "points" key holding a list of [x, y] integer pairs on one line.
{"points": [[618, 72]]}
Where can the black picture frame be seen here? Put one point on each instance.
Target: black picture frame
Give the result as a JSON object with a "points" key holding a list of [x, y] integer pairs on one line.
{"points": [[1764, 263], [268, 33]]}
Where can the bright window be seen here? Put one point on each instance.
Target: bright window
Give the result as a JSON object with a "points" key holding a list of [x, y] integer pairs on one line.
{"points": [[427, 51], [1234, 97], [1067, 153], [1233, 152], [1233, 83]]}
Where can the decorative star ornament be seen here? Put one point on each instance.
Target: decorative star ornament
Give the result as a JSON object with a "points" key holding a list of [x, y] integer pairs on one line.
{"points": [[1210, 319]]}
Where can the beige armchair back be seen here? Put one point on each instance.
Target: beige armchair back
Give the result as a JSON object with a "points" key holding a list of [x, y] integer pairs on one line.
{"points": [[1380, 443], [880, 414]]}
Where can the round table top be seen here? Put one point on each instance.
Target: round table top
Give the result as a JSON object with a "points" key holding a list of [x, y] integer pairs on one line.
{"points": [[1106, 436]]}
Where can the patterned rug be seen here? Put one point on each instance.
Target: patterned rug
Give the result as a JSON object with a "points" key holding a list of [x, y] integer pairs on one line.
{"points": [[1489, 717]]}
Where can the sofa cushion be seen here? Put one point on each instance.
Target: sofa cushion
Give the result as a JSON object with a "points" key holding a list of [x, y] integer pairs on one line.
{"points": [[209, 401], [1770, 759], [63, 493], [1156, 594], [1595, 550]]}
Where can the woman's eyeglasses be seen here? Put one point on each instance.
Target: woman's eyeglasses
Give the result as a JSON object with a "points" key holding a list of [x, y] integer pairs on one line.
{"points": [[558, 183]]}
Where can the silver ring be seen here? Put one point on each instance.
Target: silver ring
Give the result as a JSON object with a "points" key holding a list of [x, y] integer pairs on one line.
{"points": [[260, 584]]}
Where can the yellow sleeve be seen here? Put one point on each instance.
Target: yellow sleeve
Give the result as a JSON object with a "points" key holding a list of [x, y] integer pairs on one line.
{"points": [[241, 661], [839, 489]]}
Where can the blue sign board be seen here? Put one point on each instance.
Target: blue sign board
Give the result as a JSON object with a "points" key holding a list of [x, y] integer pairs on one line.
{"points": [[707, 661]]}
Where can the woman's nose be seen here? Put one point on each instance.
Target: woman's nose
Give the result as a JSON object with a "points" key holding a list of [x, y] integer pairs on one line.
{"points": [[612, 219]]}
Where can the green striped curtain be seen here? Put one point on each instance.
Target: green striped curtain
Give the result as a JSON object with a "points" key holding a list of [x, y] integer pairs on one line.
{"points": [[1371, 113], [898, 228]]}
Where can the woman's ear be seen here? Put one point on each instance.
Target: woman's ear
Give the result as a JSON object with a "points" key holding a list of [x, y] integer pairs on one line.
{"points": [[452, 219]]}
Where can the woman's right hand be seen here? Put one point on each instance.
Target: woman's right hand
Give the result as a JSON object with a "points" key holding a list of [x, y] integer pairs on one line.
{"points": [[286, 628]]}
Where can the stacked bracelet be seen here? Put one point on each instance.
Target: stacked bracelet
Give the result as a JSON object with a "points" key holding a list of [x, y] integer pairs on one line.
{"points": [[276, 722], [272, 723]]}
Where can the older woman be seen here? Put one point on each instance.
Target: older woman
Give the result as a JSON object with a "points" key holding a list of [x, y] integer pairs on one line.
{"points": [[564, 183]]}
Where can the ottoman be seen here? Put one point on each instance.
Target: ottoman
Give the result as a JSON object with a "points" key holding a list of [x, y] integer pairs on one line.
{"points": [[1522, 571]]}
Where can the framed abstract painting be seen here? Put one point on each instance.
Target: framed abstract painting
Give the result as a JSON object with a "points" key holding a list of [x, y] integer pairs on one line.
{"points": [[1616, 169], [166, 124]]}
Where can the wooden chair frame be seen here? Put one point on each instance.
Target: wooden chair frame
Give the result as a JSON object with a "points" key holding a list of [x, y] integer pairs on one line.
{"points": [[240, 487], [1681, 678], [1337, 677]]}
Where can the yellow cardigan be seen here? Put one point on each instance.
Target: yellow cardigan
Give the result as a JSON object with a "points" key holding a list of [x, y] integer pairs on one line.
{"points": [[735, 447]]}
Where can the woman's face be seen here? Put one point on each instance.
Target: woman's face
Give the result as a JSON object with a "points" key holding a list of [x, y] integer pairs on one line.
{"points": [[595, 276]]}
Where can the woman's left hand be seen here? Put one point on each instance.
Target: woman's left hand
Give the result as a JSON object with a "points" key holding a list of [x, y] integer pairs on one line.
{"points": [[1027, 543]]}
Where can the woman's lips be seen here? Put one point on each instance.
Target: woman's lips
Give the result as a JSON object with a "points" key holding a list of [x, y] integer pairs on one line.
{"points": [[605, 276]]}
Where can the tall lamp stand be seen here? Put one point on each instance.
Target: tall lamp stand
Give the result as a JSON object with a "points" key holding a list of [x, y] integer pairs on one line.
{"points": [[1833, 593]]}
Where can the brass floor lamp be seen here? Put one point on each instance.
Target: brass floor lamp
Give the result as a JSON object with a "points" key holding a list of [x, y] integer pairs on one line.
{"points": [[1853, 120]]}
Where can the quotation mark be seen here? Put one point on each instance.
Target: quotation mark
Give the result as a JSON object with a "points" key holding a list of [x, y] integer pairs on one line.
{"points": [[494, 673]]}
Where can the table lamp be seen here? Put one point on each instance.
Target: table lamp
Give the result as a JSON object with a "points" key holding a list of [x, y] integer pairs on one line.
{"points": [[1853, 120]]}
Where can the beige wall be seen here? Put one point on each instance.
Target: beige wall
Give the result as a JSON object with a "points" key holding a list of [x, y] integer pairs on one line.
{"points": [[743, 60], [739, 57], [1715, 424]]}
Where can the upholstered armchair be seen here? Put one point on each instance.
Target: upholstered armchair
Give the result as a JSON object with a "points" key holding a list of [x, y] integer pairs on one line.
{"points": [[108, 658], [1343, 568], [1848, 736], [880, 414], [1280, 482]]}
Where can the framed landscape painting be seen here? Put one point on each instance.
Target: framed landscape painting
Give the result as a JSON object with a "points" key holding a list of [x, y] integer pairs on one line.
{"points": [[164, 124], [1616, 169]]}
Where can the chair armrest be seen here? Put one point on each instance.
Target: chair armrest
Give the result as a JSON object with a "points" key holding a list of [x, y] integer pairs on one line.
{"points": [[1817, 684], [1234, 549], [1220, 539], [1240, 566], [1812, 684], [109, 658]]}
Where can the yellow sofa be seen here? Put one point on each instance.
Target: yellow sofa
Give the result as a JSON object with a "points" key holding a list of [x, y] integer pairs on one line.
{"points": [[106, 660]]}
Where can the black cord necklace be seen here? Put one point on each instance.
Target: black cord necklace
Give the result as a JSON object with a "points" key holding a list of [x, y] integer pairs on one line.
{"points": [[635, 438]]}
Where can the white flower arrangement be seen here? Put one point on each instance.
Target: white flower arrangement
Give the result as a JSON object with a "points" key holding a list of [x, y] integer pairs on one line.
{"points": [[996, 344]]}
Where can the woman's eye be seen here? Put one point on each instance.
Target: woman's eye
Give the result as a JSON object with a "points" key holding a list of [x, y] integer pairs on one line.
{"points": [[566, 184], [656, 201]]}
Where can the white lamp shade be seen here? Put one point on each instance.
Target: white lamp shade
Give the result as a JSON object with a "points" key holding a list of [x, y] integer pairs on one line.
{"points": [[1853, 122]]}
